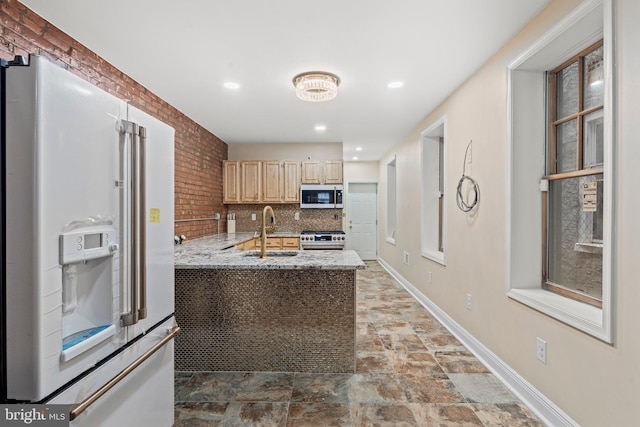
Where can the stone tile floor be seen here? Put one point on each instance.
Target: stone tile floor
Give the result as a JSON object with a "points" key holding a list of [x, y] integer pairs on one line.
{"points": [[410, 371]]}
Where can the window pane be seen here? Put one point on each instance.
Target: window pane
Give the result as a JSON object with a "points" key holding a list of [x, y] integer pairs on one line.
{"points": [[594, 79], [567, 146], [575, 234], [593, 139], [391, 200], [567, 91], [441, 166]]}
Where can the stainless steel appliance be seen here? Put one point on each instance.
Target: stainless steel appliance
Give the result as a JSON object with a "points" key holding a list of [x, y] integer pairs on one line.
{"points": [[321, 196], [87, 273], [322, 240]]}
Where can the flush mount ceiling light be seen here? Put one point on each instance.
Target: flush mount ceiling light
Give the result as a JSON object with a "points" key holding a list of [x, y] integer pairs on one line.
{"points": [[316, 86]]}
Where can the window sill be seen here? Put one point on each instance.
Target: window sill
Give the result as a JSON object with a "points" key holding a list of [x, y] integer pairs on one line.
{"points": [[435, 256], [391, 240], [584, 317]]}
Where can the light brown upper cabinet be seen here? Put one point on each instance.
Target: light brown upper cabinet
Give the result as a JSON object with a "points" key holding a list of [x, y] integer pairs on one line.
{"points": [[231, 181], [280, 181], [332, 172], [272, 181], [311, 172], [275, 181], [322, 172], [250, 181], [291, 190]]}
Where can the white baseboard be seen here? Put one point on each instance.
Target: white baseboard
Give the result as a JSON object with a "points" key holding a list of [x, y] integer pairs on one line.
{"points": [[539, 404]]}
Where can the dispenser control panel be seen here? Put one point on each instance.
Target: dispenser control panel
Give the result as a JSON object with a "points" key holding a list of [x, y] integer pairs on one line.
{"points": [[87, 243]]}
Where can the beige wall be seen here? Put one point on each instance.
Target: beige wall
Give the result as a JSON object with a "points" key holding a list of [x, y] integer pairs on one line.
{"points": [[360, 171], [288, 151], [594, 383]]}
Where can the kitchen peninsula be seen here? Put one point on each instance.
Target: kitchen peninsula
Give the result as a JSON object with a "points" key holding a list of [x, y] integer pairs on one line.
{"points": [[291, 312]]}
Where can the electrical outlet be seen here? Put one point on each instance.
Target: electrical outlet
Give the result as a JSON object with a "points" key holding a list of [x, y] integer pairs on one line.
{"points": [[468, 301], [405, 257], [253, 217], [541, 350], [430, 278]]}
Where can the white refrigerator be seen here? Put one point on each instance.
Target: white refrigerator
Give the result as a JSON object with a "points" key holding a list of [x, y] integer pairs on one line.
{"points": [[87, 272]]}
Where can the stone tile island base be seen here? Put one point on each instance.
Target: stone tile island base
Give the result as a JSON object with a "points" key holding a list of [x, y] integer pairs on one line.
{"points": [[265, 320]]}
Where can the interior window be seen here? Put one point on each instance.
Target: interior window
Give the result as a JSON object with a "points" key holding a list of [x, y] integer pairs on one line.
{"points": [[433, 215], [572, 229], [391, 201]]}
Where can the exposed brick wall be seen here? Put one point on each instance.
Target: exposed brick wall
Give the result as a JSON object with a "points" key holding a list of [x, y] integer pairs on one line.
{"points": [[198, 153]]}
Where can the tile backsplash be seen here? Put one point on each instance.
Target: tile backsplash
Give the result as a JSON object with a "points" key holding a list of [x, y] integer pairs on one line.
{"points": [[310, 219]]}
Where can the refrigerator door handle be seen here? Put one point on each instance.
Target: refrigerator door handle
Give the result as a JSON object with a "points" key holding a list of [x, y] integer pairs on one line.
{"points": [[131, 181], [142, 222], [82, 406]]}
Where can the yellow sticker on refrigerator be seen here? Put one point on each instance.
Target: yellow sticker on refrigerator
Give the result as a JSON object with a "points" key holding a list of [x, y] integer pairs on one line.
{"points": [[154, 215]]}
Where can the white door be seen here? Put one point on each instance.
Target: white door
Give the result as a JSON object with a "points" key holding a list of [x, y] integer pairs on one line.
{"points": [[362, 219]]}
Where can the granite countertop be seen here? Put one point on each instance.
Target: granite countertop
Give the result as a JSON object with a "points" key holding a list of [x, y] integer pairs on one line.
{"points": [[219, 252]]}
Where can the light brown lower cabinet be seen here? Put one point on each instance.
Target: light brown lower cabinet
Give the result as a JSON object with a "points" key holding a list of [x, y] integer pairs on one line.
{"points": [[273, 243], [249, 244], [291, 243]]}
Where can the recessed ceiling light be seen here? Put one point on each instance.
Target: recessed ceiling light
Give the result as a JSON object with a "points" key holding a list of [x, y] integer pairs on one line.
{"points": [[395, 85], [232, 85], [354, 158], [358, 148], [320, 128]]}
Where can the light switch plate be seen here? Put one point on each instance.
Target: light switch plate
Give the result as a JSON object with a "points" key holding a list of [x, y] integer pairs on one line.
{"points": [[541, 350]]}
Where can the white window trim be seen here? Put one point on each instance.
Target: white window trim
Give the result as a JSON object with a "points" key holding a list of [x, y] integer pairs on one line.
{"points": [[390, 237], [523, 275], [433, 255]]}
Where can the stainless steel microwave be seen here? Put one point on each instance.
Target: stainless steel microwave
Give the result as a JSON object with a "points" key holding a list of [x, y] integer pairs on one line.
{"points": [[321, 196]]}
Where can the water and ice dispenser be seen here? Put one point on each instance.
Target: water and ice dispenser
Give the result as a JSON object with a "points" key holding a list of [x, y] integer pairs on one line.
{"points": [[86, 256]]}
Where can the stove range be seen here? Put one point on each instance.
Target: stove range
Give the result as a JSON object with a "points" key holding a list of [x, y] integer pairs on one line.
{"points": [[322, 240]]}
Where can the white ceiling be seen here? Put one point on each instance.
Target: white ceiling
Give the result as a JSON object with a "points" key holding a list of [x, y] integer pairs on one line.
{"points": [[185, 50]]}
